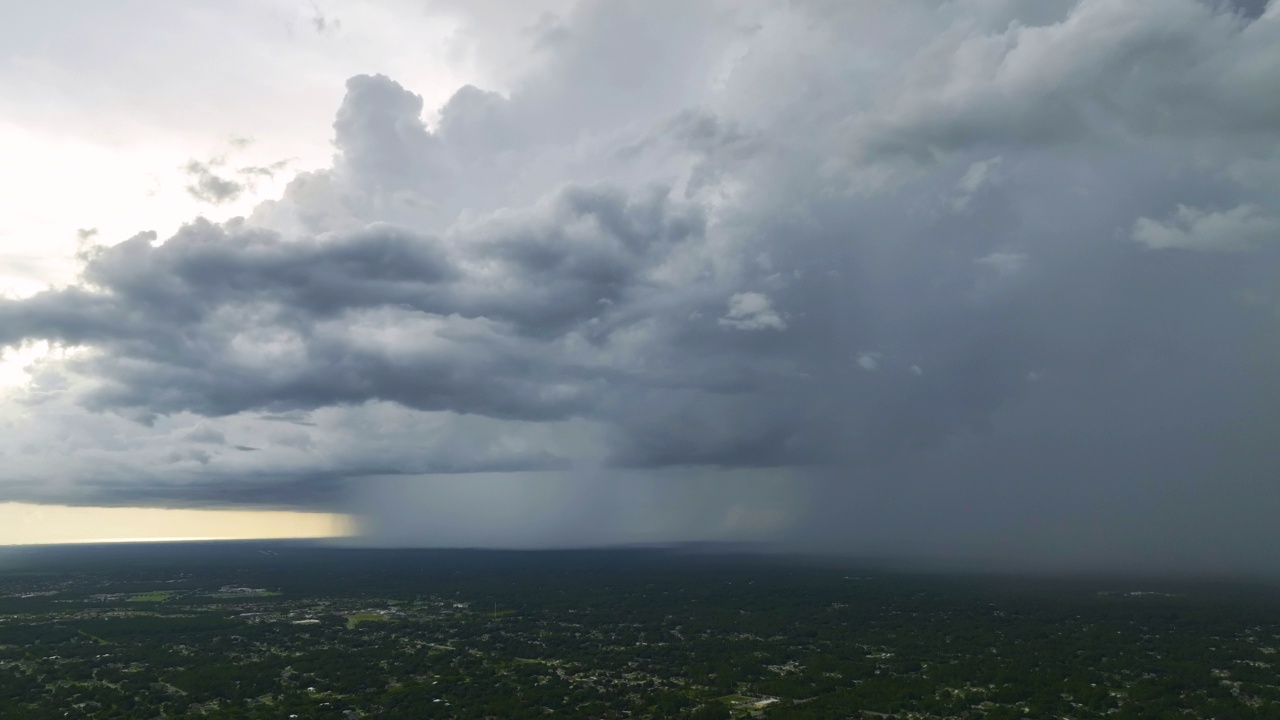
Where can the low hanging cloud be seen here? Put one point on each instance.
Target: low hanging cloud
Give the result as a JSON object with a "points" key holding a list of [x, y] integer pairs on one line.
{"points": [[842, 268], [752, 311], [1244, 227]]}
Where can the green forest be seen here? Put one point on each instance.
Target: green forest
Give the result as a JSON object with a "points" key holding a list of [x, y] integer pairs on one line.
{"points": [[232, 632]]}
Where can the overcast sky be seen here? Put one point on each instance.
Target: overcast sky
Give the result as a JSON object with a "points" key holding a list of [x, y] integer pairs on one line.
{"points": [[966, 279]]}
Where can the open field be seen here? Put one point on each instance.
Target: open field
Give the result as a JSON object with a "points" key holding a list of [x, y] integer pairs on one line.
{"points": [[157, 596], [355, 619]]}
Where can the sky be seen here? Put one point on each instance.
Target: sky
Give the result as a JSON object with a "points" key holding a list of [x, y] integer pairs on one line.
{"points": [[957, 279]]}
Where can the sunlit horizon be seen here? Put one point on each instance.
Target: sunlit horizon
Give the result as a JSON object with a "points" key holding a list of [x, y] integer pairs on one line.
{"points": [[31, 524]]}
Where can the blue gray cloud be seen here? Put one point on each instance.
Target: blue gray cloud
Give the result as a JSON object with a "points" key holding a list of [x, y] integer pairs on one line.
{"points": [[1017, 262]]}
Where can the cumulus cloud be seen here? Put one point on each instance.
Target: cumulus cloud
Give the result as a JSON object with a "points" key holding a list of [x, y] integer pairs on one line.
{"points": [[842, 266], [752, 311], [230, 319], [1240, 228]]}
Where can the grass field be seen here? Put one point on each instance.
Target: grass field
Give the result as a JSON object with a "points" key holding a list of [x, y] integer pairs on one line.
{"points": [[157, 596], [94, 638], [357, 618]]}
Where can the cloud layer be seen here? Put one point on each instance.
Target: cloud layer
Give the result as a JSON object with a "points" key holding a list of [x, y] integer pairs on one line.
{"points": [[1015, 259]]}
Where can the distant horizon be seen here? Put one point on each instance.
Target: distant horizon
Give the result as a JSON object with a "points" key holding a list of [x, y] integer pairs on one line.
{"points": [[746, 550], [31, 524]]}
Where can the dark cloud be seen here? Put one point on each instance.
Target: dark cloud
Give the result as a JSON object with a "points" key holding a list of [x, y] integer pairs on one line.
{"points": [[1007, 258], [294, 418], [213, 183], [328, 489], [310, 491], [1249, 9], [192, 324], [208, 186]]}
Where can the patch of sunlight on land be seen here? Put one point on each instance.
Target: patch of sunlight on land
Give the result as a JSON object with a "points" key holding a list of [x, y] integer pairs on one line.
{"points": [[356, 618], [27, 524], [157, 596]]}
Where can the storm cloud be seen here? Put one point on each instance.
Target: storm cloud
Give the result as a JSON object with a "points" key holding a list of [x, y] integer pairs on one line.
{"points": [[986, 279]]}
